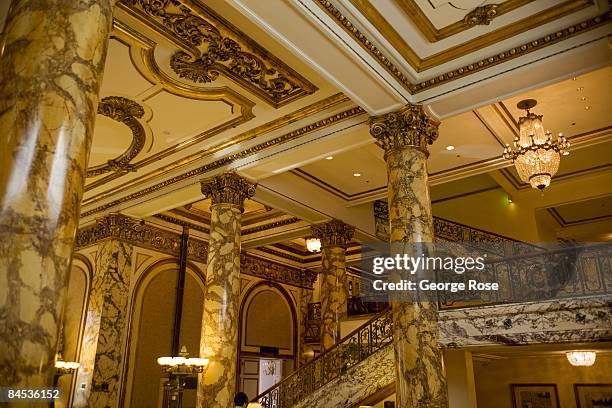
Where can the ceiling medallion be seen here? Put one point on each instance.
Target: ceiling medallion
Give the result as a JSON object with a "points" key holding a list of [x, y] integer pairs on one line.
{"points": [[127, 112], [214, 47], [482, 15], [535, 155]]}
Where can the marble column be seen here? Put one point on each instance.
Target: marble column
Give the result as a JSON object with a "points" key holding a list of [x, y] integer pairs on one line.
{"points": [[103, 345], [306, 352], [219, 342], [51, 63], [335, 237], [404, 136]]}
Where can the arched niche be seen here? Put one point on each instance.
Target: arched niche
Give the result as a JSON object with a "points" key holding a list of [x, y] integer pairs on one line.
{"points": [[151, 328]]}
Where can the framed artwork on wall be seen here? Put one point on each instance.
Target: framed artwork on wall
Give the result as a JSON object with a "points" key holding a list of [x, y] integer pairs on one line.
{"points": [[534, 396], [593, 395]]}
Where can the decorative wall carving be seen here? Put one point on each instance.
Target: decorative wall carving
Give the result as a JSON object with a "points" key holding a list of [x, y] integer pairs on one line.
{"points": [[407, 127], [139, 233], [273, 271], [228, 188], [215, 47], [127, 112], [482, 15], [334, 233]]}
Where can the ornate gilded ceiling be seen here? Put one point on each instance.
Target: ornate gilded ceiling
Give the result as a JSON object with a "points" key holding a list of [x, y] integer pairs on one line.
{"points": [[193, 88], [212, 46]]}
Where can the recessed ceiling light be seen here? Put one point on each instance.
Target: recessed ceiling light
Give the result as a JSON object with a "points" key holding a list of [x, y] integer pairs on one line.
{"points": [[580, 88], [587, 107], [329, 158], [574, 78], [450, 147], [357, 174], [583, 98]]}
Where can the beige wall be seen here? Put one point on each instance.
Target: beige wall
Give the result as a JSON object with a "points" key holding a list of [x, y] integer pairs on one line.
{"points": [[493, 378], [491, 211]]}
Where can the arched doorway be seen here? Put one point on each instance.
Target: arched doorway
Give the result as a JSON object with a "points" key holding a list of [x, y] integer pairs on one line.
{"points": [[268, 338]]}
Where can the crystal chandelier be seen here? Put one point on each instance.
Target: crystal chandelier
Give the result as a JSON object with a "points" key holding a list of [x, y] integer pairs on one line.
{"points": [[534, 154], [581, 358]]}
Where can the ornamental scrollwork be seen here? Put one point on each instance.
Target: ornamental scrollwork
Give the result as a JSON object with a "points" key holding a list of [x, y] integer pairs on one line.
{"points": [[409, 127], [482, 15], [128, 112], [215, 47], [228, 188], [334, 233]]}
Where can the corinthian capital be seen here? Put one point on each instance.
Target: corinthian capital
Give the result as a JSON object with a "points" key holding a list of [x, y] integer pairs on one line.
{"points": [[228, 188], [409, 127], [333, 233]]}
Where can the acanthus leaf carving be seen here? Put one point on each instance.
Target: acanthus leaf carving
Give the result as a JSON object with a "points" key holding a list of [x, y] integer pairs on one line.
{"points": [[409, 127], [218, 48], [128, 112]]}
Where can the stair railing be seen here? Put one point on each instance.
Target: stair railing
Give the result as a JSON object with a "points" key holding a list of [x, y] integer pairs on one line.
{"points": [[350, 351]]}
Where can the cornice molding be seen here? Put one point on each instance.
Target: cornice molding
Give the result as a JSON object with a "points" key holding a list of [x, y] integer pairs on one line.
{"points": [[225, 161], [211, 46], [228, 188], [467, 69], [334, 233], [271, 225], [128, 112], [409, 127], [139, 233]]}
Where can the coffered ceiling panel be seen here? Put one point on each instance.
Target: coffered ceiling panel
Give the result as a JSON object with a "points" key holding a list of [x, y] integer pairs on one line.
{"points": [[584, 211]]}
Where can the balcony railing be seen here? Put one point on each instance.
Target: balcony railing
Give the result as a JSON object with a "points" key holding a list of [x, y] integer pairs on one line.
{"points": [[351, 350], [570, 272]]}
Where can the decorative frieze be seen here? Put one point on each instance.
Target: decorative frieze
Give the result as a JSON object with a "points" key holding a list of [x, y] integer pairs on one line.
{"points": [[334, 233], [228, 188], [214, 47], [141, 234], [275, 272], [409, 127]]}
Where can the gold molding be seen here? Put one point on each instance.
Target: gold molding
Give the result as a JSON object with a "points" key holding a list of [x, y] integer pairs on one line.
{"points": [[211, 45], [142, 50], [246, 136], [220, 163], [420, 65], [138, 233], [128, 112], [418, 17]]}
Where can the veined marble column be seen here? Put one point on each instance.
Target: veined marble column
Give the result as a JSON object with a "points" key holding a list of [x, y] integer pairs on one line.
{"points": [[404, 136], [51, 63], [305, 350], [335, 236], [219, 343], [103, 345]]}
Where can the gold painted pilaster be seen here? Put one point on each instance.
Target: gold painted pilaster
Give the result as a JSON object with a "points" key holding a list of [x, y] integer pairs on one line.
{"points": [[51, 66], [404, 136], [219, 342], [335, 236]]}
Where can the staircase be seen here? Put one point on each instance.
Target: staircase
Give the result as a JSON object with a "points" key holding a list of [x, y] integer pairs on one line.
{"points": [[360, 365]]}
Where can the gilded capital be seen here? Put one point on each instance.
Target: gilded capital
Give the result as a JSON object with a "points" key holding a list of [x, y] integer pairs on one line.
{"points": [[228, 188], [333, 233], [409, 127]]}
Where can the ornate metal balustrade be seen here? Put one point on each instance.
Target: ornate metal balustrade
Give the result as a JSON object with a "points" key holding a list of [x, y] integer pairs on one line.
{"points": [[570, 272], [351, 350]]}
